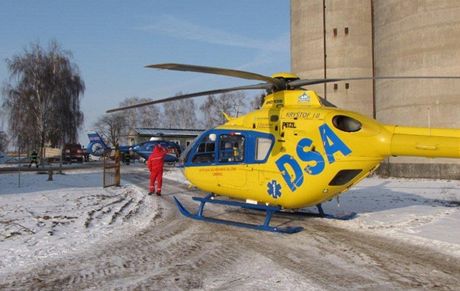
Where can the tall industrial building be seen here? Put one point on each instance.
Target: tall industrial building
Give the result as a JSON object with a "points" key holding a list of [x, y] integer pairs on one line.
{"points": [[358, 38]]}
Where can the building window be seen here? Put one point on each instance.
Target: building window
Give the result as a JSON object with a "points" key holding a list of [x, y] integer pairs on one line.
{"points": [[335, 31], [346, 30]]}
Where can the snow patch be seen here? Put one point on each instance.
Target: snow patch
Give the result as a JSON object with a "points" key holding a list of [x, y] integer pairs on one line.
{"points": [[47, 219], [419, 211]]}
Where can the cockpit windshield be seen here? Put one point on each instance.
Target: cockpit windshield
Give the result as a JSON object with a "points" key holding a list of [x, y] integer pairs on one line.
{"points": [[184, 155]]}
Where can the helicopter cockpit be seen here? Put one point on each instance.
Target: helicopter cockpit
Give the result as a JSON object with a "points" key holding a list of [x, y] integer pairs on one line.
{"points": [[224, 147]]}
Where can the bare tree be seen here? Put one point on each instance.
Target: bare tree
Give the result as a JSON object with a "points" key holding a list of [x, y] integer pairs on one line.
{"points": [[170, 110], [180, 114], [187, 115], [147, 116], [3, 136], [3, 141], [229, 103], [237, 106], [2, 118], [43, 96], [257, 102], [111, 126]]}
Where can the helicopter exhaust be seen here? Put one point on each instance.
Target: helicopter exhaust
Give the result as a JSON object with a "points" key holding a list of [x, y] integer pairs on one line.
{"points": [[424, 142]]}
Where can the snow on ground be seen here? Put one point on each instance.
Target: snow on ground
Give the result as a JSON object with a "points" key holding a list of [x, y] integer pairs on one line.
{"points": [[420, 211], [44, 219], [176, 174]]}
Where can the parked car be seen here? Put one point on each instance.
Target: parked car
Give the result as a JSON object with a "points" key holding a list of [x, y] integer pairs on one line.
{"points": [[73, 153]]}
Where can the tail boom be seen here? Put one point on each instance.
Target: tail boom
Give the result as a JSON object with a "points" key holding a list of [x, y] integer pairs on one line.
{"points": [[425, 142]]}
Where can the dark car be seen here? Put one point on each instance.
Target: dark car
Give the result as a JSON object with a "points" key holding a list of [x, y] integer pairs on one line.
{"points": [[73, 152], [145, 149]]}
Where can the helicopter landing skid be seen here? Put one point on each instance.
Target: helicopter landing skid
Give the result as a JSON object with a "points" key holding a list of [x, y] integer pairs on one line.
{"points": [[322, 214], [265, 226]]}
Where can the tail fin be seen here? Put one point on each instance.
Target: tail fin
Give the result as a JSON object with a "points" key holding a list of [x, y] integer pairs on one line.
{"points": [[94, 137]]}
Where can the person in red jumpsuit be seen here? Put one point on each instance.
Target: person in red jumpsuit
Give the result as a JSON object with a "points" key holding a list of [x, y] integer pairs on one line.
{"points": [[155, 164]]}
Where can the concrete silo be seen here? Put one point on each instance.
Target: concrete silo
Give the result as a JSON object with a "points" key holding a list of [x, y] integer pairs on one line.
{"points": [[418, 38], [385, 38], [333, 38]]}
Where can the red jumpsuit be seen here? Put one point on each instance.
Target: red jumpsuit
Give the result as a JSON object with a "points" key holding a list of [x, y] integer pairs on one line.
{"points": [[155, 164]]}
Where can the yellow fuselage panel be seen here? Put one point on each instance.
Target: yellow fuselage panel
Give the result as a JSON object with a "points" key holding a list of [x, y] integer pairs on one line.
{"points": [[314, 189]]}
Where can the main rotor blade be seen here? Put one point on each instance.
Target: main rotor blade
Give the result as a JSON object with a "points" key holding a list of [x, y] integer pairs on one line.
{"points": [[216, 71], [304, 82], [261, 86]]}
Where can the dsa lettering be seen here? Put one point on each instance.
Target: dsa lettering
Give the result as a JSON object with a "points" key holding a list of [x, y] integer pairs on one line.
{"points": [[332, 144]]}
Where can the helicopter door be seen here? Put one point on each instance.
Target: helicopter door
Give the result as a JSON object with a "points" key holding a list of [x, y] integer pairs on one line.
{"points": [[200, 161], [262, 148], [231, 160]]}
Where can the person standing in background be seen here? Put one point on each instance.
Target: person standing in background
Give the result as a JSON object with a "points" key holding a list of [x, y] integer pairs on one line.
{"points": [[155, 164], [34, 159]]}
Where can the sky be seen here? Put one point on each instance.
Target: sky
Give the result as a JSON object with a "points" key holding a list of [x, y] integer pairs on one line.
{"points": [[112, 41]]}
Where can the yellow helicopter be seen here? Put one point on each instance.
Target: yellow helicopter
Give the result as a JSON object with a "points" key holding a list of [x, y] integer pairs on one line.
{"points": [[297, 150]]}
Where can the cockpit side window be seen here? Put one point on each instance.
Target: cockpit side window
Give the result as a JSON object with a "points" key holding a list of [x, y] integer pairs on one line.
{"points": [[231, 148], [205, 151], [262, 149]]}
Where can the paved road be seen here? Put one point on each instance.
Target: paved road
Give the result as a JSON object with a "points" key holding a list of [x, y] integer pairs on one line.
{"points": [[179, 253]]}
